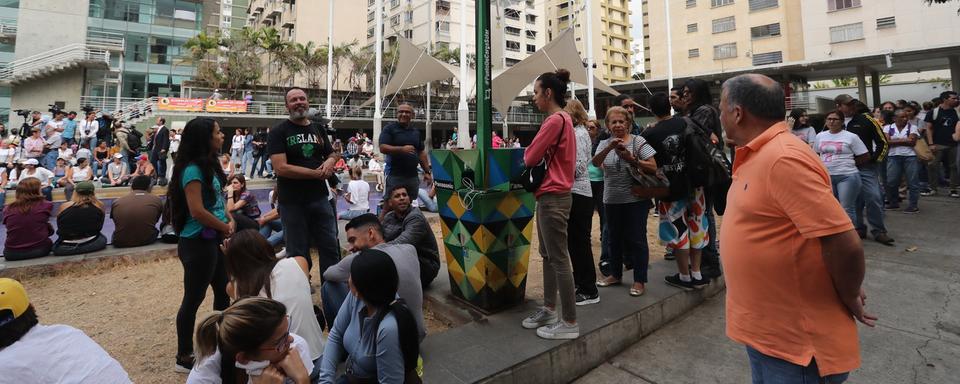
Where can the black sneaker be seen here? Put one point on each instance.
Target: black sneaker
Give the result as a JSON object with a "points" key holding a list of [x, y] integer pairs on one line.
{"points": [[583, 299], [710, 271], [928, 192], [674, 280], [184, 364], [954, 193], [700, 283], [669, 255]]}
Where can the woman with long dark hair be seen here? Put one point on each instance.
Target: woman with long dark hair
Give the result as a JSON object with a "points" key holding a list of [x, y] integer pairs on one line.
{"points": [[800, 126], [556, 144], [240, 200], [200, 219], [250, 342], [254, 270], [27, 220], [383, 349]]}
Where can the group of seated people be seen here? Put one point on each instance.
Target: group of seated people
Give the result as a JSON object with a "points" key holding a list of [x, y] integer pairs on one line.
{"points": [[79, 220]]}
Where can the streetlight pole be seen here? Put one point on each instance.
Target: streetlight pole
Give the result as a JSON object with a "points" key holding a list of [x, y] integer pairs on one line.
{"points": [[428, 133], [378, 46], [484, 88], [591, 113], [463, 112], [666, 5], [330, 60]]}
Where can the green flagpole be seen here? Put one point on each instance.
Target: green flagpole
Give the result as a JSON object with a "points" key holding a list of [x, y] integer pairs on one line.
{"points": [[484, 89]]}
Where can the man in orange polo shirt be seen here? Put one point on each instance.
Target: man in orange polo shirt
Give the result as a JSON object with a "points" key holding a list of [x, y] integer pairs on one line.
{"points": [[793, 261]]}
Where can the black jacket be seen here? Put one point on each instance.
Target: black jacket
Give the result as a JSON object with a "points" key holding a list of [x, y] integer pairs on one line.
{"points": [[161, 140], [871, 133]]}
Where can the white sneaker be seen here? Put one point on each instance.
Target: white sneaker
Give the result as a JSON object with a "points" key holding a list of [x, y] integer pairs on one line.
{"points": [[282, 253], [559, 331], [541, 317]]}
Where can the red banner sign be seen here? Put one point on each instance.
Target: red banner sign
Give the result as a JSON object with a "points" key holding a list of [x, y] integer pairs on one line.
{"points": [[230, 106], [179, 104]]}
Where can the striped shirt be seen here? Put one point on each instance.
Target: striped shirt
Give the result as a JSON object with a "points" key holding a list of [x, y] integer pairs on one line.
{"points": [[581, 178], [616, 172]]}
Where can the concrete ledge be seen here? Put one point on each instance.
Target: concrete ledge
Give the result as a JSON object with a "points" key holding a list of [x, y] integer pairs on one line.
{"points": [[52, 265], [496, 349]]}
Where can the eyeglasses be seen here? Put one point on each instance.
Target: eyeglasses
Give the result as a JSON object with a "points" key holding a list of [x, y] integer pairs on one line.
{"points": [[283, 343], [832, 119]]}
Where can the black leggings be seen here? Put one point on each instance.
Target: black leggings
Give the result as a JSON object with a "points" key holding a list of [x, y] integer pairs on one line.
{"points": [[579, 227], [202, 266]]}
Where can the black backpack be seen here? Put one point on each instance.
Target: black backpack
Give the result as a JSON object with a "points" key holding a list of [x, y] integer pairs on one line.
{"points": [[706, 164], [134, 139]]}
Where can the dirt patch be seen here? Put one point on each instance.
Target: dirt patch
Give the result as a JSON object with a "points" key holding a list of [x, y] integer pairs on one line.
{"points": [[130, 310]]}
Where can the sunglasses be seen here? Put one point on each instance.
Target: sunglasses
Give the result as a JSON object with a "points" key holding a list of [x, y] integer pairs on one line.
{"points": [[282, 344]]}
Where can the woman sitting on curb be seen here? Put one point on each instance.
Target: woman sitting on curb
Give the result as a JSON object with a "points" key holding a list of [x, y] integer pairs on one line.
{"points": [[79, 223]]}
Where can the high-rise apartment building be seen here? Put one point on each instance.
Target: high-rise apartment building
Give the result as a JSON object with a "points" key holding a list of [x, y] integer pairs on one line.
{"points": [[307, 21], [226, 16], [612, 53], [98, 50], [722, 35]]}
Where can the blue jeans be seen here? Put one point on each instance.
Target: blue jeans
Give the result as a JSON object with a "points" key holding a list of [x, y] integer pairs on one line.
{"points": [[49, 161], [870, 201], [262, 160], [627, 233], [246, 160], [908, 167], [427, 203], [332, 294], [351, 214], [846, 188], [273, 232], [311, 223], [771, 370]]}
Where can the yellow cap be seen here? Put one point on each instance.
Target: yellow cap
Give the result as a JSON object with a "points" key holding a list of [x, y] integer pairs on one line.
{"points": [[13, 297]]}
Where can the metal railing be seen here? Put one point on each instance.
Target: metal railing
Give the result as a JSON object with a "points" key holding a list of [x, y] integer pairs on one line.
{"points": [[63, 56], [135, 110], [106, 40]]}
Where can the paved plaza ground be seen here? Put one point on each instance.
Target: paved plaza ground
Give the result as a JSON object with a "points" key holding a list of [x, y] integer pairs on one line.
{"points": [[914, 287]]}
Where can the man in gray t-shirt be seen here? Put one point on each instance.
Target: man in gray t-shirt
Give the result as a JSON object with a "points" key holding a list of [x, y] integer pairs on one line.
{"points": [[365, 232], [116, 174]]}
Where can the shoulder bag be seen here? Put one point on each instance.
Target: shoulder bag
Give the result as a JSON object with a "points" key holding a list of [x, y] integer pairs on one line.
{"points": [[532, 177], [645, 185]]}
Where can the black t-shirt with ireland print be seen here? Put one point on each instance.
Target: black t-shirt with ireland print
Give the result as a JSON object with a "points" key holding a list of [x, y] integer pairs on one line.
{"points": [[305, 146]]}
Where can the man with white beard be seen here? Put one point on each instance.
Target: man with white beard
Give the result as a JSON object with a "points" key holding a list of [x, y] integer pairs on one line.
{"points": [[303, 158]]}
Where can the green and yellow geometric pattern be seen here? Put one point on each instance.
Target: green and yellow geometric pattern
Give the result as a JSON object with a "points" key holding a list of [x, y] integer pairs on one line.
{"points": [[486, 232]]}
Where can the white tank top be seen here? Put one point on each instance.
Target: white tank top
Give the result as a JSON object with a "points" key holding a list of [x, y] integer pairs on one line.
{"points": [[289, 285], [81, 174]]}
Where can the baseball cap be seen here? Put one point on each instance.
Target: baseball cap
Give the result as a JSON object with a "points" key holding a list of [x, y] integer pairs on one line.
{"points": [[13, 300], [31, 162], [142, 157], [117, 156], [85, 188], [843, 99]]}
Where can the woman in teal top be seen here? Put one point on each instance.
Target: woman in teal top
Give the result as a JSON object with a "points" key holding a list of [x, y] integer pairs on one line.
{"points": [[200, 218]]}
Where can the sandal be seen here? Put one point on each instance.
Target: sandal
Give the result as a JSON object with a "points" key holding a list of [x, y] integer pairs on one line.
{"points": [[608, 281], [637, 292]]}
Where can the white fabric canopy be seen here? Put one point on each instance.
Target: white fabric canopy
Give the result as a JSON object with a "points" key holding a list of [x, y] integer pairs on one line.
{"points": [[560, 53], [415, 67]]}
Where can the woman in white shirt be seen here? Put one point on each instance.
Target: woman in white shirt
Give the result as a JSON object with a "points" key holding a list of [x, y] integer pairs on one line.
{"points": [[88, 130], [81, 172], [377, 169], [358, 193], [257, 339], [236, 147], [32, 169], [841, 151], [902, 161], [254, 270]]}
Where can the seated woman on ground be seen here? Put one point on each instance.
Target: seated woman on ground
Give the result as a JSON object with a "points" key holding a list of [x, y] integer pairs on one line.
{"points": [[254, 270], [80, 172], [384, 349], [116, 173], [358, 195], [27, 220], [270, 226], [101, 156], [79, 223], [239, 199], [32, 169], [59, 172], [253, 340]]}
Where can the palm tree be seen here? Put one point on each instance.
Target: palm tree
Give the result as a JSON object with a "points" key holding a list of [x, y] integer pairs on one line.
{"points": [[341, 52], [204, 50], [312, 60], [274, 46]]}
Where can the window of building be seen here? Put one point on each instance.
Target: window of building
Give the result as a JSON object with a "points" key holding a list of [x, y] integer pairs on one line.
{"points": [[725, 24], [443, 27], [511, 62], [394, 3], [511, 14], [846, 32], [531, 48], [513, 46], [836, 5], [756, 5], [408, 34], [762, 31], [691, 3], [724, 51], [408, 16], [768, 58], [395, 20], [720, 3], [531, 19], [370, 17], [693, 53], [887, 22], [691, 28], [531, 34], [369, 32], [512, 31]]}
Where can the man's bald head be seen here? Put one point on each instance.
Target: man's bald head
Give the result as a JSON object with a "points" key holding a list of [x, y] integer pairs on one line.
{"points": [[757, 95]]}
